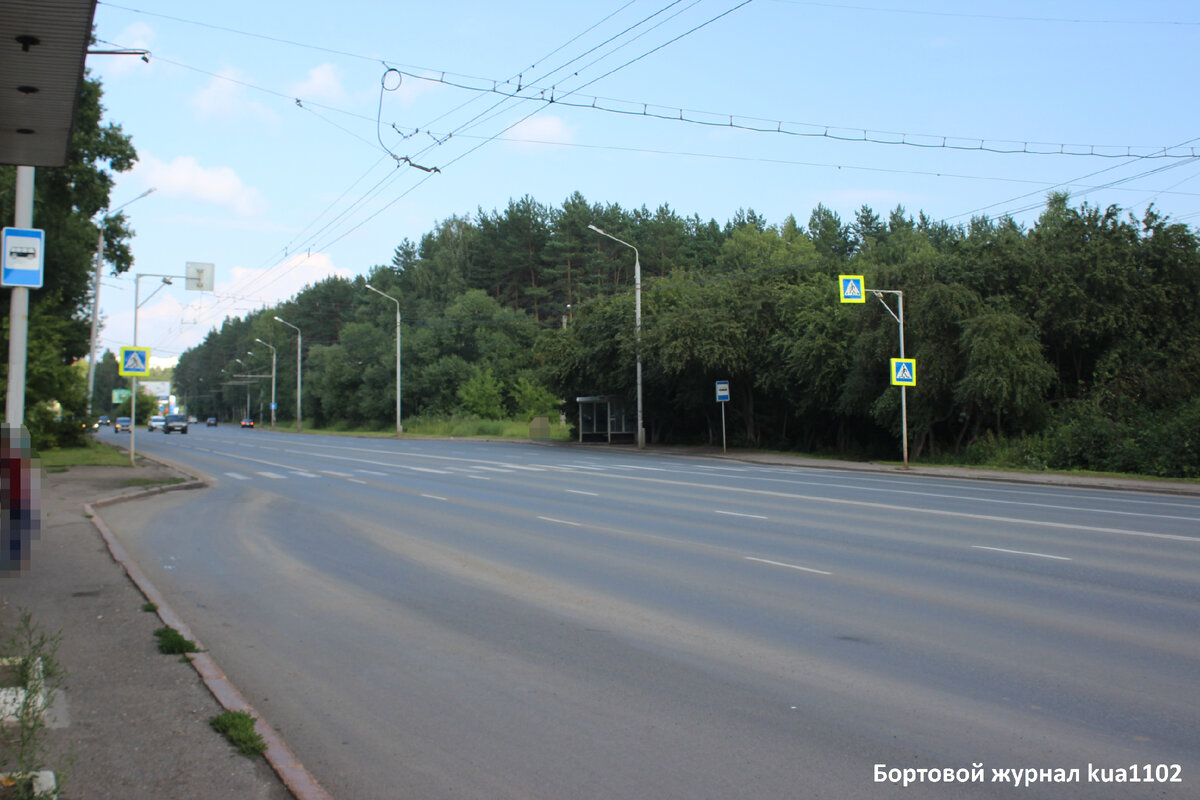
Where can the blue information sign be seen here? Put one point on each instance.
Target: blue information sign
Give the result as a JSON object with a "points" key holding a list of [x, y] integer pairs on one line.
{"points": [[23, 257]]}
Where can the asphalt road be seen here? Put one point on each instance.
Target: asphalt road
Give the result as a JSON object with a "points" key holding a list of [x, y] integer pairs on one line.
{"points": [[442, 619]]}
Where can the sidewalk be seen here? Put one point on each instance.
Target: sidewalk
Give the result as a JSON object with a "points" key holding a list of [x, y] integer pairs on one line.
{"points": [[136, 721]]}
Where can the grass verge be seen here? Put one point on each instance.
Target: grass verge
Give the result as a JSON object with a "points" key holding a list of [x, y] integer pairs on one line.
{"points": [[93, 455]]}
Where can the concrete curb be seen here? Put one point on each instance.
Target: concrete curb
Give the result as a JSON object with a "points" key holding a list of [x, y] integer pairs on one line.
{"points": [[298, 780]]}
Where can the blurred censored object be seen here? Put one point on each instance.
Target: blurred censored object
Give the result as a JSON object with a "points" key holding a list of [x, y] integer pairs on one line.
{"points": [[20, 506]]}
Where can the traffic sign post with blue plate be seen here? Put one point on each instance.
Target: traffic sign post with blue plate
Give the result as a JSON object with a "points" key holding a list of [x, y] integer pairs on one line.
{"points": [[852, 289], [23, 257], [722, 398], [135, 362], [904, 372]]}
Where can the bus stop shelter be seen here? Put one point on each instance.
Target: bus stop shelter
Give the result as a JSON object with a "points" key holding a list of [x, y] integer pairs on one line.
{"points": [[604, 418]]}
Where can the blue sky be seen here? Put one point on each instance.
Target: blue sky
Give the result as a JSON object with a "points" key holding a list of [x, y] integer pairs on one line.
{"points": [[275, 135]]}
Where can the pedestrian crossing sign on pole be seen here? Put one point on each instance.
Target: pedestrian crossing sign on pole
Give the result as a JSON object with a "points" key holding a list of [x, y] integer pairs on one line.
{"points": [[135, 362], [852, 289], [904, 372]]}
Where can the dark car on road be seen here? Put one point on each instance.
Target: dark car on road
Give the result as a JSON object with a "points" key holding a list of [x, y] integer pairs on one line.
{"points": [[123, 424], [175, 422], [211, 423], [247, 423]]}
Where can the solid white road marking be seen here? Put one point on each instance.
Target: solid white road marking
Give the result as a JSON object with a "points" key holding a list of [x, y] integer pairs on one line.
{"points": [[562, 522], [736, 514], [578, 491], [1019, 552], [789, 566], [432, 496]]}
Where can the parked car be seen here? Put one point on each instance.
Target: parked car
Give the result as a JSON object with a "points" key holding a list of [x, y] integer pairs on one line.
{"points": [[247, 423], [211, 423], [123, 424], [192, 420], [156, 423], [175, 422], [103, 420]]}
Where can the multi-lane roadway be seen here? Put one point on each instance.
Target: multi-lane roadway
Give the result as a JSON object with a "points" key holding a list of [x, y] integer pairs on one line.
{"points": [[454, 619]]}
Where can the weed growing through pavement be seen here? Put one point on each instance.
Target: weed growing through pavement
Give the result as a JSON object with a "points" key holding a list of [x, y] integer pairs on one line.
{"points": [[238, 728], [34, 659], [172, 642]]}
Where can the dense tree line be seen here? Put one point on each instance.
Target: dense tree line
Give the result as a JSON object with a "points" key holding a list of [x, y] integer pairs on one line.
{"points": [[1073, 343]]}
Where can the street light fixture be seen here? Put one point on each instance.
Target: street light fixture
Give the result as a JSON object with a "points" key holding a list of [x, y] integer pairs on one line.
{"points": [[399, 427], [299, 344], [137, 304], [91, 379], [260, 341], [637, 315]]}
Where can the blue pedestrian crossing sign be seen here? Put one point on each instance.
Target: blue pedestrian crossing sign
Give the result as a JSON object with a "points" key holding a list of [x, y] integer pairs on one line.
{"points": [[135, 362], [904, 372], [852, 289]]}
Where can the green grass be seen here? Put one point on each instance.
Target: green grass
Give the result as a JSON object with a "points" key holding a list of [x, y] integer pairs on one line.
{"points": [[94, 455], [449, 427], [172, 642], [238, 728]]}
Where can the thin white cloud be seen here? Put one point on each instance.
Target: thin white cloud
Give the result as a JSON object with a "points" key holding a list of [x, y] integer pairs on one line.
{"points": [[324, 83], [225, 98], [185, 178], [259, 287], [541, 128]]}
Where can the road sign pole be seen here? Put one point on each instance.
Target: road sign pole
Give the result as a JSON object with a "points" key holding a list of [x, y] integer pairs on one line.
{"points": [[723, 428], [18, 315], [903, 389]]}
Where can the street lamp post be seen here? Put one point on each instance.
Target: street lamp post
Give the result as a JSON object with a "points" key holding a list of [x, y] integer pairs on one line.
{"points": [[899, 317], [299, 345], [637, 316], [260, 341], [138, 303], [91, 379], [399, 427]]}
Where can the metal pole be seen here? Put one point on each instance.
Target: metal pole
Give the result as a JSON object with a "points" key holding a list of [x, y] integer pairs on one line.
{"points": [[399, 427], [18, 319], [137, 284], [637, 293], [903, 389], [299, 347], [260, 341], [723, 450], [637, 318]]}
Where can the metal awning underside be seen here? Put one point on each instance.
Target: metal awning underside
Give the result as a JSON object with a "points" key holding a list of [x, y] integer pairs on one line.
{"points": [[43, 44]]}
